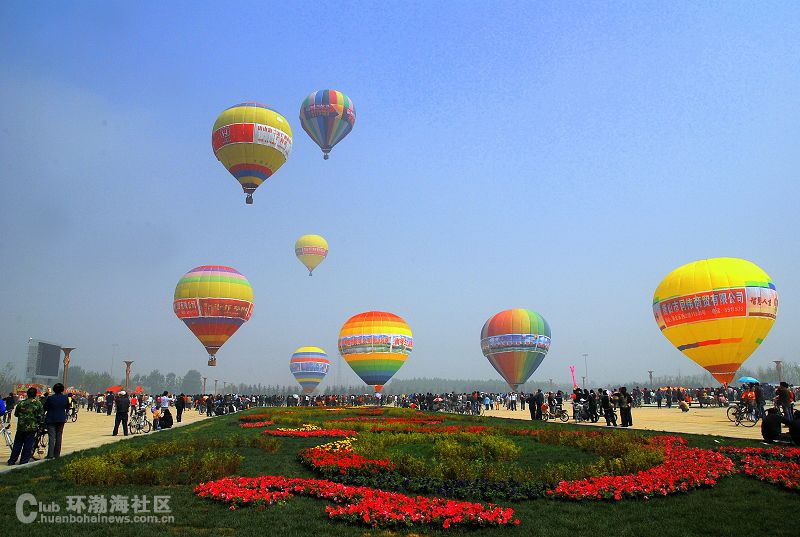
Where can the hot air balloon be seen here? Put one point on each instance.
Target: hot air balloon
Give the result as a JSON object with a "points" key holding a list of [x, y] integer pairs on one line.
{"points": [[327, 116], [311, 251], [375, 344], [252, 141], [716, 312], [515, 341], [213, 301], [309, 365]]}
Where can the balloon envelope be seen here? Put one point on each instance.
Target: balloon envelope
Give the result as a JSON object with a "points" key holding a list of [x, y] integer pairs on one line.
{"points": [[252, 141], [716, 312], [515, 342], [375, 344], [311, 250], [213, 301], [327, 116], [309, 365]]}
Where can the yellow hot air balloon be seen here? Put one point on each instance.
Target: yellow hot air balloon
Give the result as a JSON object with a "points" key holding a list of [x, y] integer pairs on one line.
{"points": [[252, 141], [717, 312], [311, 251]]}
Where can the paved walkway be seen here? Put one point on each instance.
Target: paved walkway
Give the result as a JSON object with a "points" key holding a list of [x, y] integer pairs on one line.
{"points": [[710, 421], [91, 430]]}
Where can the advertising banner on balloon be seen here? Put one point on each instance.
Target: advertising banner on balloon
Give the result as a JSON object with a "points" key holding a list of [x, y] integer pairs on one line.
{"points": [[716, 304]]}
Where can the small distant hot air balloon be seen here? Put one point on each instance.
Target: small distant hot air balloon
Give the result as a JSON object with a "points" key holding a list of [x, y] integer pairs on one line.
{"points": [[213, 301], [375, 344], [327, 116], [515, 342], [717, 312], [309, 365], [311, 251], [252, 141]]}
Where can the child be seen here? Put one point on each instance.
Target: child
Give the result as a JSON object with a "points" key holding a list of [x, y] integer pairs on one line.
{"points": [[156, 418], [684, 406]]}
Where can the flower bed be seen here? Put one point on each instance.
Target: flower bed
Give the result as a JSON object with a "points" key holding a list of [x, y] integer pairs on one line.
{"points": [[683, 469], [777, 465], [360, 505], [255, 417], [310, 431], [254, 424]]}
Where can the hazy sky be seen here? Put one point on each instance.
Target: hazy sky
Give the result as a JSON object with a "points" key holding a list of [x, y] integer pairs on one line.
{"points": [[557, 156]]}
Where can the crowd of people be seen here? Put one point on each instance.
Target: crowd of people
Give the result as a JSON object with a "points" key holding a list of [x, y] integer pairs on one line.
{"points": [[50, 411]]}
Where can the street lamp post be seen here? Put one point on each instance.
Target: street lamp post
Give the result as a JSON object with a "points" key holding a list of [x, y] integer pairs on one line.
{"points": [[650, 372], [66, 350], [779, 367], [585, 368], [204, 385], [215, 386], [128, 364], [584, 382]]}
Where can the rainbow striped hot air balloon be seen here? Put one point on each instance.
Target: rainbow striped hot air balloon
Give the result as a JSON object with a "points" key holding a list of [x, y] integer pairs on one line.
{"points": [[375, 344], [252, 141], [213, 301], [515, 342], [716, 312], [309, 365], [311, 250], [327, 116]]}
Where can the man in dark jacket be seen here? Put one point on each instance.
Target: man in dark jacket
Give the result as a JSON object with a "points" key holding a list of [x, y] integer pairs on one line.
{"points": [[625, 403], [180, 405], [759, 390], [55, 408], [109, 403], [123, 406], [538, 401], [11, 402], [608, 410]]}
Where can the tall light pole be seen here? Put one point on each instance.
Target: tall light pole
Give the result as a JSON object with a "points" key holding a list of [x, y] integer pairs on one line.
{"points": [[128, 364], [204, 385], [215, 386], [585, 369], [113, 355], [779, 367], [66, 350], [650, 372]]}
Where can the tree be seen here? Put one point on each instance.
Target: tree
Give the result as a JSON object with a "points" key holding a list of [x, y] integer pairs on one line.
{"points": [[8, 378], [192, 382]]}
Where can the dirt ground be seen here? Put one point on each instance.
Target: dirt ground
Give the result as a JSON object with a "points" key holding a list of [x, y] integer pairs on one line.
{"points": [[710, 421], [91, 430]]}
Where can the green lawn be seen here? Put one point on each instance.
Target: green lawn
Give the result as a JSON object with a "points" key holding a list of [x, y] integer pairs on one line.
{"points": [[735, 504]]}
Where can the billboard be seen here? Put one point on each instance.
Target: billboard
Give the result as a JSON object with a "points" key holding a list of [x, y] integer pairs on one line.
{"points": [[44, 359]]}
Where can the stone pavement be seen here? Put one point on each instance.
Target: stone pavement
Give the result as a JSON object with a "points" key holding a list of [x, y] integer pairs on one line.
{"points": [[91, 430], [709, 421]]}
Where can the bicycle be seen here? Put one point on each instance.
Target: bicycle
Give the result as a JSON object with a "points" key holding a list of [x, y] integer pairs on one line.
{"points": [[40, 443], [139, 423], [745, 416], [73, 415], [733, 410], [7, 436], [556, 413]]}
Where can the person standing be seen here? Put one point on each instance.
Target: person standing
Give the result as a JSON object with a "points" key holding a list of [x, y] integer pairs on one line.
{"points": [[538, 401], [109, 403], [759, 395], [29, 415], [783, 399], [180, 405], [123, 405], [625, 403], [166, 415], [11, 402], [55, 408]]}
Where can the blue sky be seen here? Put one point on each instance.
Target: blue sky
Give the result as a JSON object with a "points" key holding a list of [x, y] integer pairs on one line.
{"points": [[562, 157]]}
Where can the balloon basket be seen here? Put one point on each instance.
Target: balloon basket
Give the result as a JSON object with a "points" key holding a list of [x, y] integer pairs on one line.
{"points": [[249, 199], [212, 361]]}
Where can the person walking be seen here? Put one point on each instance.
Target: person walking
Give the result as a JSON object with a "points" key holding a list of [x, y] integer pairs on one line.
{"points": [[123, 405], [180, 405], [55, 408], [29, 415], [608, 409]]}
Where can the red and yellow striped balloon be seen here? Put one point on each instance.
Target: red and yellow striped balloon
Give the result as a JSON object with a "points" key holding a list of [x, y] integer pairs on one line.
{"points": [[515, 342], [213, 301]]}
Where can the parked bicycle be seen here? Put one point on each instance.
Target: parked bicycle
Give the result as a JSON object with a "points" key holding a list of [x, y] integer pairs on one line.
{"points": [[139, 423], [744, 415]]}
